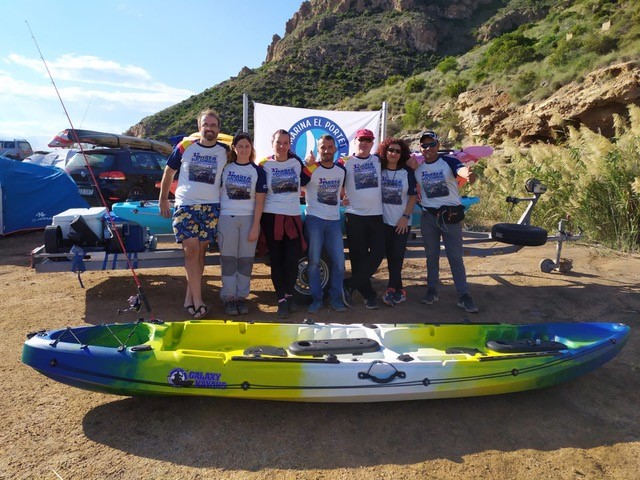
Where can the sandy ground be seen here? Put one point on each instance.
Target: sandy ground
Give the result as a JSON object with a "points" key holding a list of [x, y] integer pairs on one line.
{"points": [[585, 429]]}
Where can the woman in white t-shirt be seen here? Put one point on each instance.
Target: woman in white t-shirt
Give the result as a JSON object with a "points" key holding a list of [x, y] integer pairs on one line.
{"points": [[399, 196], [281, 222], [242, 195]]}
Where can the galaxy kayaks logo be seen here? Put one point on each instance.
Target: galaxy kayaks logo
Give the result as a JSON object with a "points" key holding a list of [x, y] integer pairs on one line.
{"points": [[306, 132], [182, 378]]}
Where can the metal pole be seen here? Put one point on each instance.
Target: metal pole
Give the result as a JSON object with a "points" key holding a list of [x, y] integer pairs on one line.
{"points": [[245, 112], [383, 123]]}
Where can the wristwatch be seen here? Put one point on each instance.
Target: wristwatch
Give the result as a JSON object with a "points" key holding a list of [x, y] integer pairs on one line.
{"points": [[406, 215]]}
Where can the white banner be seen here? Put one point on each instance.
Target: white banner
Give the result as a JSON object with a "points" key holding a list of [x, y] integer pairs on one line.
{"points": [[307, 126]]}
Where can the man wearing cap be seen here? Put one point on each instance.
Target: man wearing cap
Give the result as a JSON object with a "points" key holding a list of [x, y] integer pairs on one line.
{"points": [[363, 218], [436, 177]]}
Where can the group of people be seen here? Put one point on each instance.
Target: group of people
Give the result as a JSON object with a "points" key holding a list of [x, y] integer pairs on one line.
{"points": [[223, 195]]}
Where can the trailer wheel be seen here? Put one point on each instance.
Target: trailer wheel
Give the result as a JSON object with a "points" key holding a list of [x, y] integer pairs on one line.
{"points": [[52, 239], [516, 234], [547, 265], [302, 292]]}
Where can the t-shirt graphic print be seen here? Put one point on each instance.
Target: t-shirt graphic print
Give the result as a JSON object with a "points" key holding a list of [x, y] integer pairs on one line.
{"points": [[365, 176], [391, 191], [203, 168], [434, 184], [238, 187], [284, 180]]}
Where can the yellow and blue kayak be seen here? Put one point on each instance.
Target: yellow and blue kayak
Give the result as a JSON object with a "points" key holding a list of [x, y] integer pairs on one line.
{"points": [[321, 362]]}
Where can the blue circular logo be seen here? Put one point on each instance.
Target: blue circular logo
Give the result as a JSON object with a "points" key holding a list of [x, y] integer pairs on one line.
{"points": [[306, 132], [178, 378]]}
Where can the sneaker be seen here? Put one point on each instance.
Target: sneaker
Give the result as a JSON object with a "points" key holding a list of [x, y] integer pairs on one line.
{"points": [[293, 306], [231, 308], [372, 303], [347, 296], [400, 296], [388, 298], [466, 302], [283, 309], [430, 297], [337, 305], [315, 306], [243, 309]]}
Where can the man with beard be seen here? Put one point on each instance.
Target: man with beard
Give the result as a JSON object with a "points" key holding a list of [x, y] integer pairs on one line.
{"points": [[197, 203]]}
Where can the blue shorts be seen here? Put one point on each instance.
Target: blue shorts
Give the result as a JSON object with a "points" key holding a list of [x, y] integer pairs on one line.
{"points": [[196, 221]]}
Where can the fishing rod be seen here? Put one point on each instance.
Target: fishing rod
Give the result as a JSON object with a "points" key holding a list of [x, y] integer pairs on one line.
{"points": [[136, 301]]}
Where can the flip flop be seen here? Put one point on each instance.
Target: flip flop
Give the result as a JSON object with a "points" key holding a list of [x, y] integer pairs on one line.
{"points": [[191, 309], [201, 311]]}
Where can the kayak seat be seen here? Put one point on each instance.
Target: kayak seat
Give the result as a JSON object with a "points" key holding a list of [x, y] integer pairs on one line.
{"points": [[523, 346], [355, 346]]}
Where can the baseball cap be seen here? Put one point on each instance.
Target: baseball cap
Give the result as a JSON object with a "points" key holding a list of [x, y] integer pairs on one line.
{"points": [[431, 134], [365, 132]]}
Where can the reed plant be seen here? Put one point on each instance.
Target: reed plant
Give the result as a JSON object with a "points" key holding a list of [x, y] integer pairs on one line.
{"points": [[592, 180]]}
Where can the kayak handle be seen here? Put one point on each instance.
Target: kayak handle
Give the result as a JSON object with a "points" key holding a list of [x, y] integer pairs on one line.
{"points": [[380, 365]]}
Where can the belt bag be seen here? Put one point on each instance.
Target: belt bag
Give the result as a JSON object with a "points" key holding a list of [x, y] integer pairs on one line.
{"points": [[448, 213]]}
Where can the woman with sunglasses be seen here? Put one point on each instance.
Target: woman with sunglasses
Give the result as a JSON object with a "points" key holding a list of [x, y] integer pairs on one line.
{"points": [[242, 195], [399, 196], [436, 177]]}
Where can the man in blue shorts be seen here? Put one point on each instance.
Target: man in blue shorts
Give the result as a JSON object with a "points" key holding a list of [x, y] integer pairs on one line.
{"points": [[197, 203]]}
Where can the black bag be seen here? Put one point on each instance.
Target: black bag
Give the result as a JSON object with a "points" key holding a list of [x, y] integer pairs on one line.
{"points": [[448, 213]]}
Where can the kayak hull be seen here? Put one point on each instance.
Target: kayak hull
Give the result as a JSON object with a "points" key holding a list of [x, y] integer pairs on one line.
{"points": [[321, 362]]}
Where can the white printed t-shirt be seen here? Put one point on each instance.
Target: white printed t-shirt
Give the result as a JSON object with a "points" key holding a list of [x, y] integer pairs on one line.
{"points": [[200, 169], [323, 187], [283, 186], [362, 185], [437, 182], [240, 183], [397, 186]]}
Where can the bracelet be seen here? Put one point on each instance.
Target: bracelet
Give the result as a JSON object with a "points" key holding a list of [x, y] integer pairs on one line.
{"points": [[406, 215]]}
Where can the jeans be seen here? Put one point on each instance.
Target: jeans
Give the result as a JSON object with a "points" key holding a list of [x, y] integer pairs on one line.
{"points": [[365, 237], [328, 234], [452, 239]]}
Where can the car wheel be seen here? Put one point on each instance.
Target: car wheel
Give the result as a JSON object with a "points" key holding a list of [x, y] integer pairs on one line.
{"points": [[516, 234], [302, 291]]}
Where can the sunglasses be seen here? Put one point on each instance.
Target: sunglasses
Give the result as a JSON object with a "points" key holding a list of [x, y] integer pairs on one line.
{"points": [[394, 150], [429, 145], [365, 139]]}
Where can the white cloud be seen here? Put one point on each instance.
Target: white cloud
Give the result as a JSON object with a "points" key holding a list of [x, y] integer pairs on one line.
{"points": [[93, 70]]}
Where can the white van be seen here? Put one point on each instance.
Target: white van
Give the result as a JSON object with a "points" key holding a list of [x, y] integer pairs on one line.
{"points": [[17, 148]]}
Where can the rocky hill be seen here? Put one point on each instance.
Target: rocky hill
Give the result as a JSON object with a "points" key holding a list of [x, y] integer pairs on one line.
{"points": [[352, 54]]}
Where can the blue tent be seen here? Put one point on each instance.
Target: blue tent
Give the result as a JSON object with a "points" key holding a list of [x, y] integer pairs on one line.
{"points": [[31, 195]]}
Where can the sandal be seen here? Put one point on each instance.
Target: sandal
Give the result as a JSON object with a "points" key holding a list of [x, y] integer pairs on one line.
{"points": [[191, 309], [201, 311]]}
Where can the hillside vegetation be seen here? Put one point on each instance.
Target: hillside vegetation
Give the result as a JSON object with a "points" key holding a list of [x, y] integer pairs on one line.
{"points": [[420, 57]]}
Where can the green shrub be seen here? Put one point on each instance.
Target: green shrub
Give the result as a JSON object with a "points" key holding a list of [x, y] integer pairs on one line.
{"points": [[455, 88], [448, 64], [412, 114], [415, 85], [392, 80]]}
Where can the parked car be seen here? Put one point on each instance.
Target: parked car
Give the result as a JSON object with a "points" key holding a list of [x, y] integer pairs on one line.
{"points": [[17, 149], [57, 158], [121, 174]]}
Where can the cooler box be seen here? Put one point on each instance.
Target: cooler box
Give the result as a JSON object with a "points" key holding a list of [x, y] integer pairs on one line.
{"points": [[92, 216]]}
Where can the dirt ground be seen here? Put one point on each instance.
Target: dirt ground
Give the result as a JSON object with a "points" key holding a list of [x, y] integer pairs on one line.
{"points": [[585, 429]]}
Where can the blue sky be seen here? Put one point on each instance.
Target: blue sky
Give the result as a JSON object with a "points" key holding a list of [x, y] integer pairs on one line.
{"points": [[116, 62]]}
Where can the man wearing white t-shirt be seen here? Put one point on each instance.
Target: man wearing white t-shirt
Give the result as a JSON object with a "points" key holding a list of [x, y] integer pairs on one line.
{"points": [[363, 218], [324, 182], [197, 204]]}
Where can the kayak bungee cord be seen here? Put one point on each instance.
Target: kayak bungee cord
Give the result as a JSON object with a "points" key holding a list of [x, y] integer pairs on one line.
{"points": [[135, 301]]}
